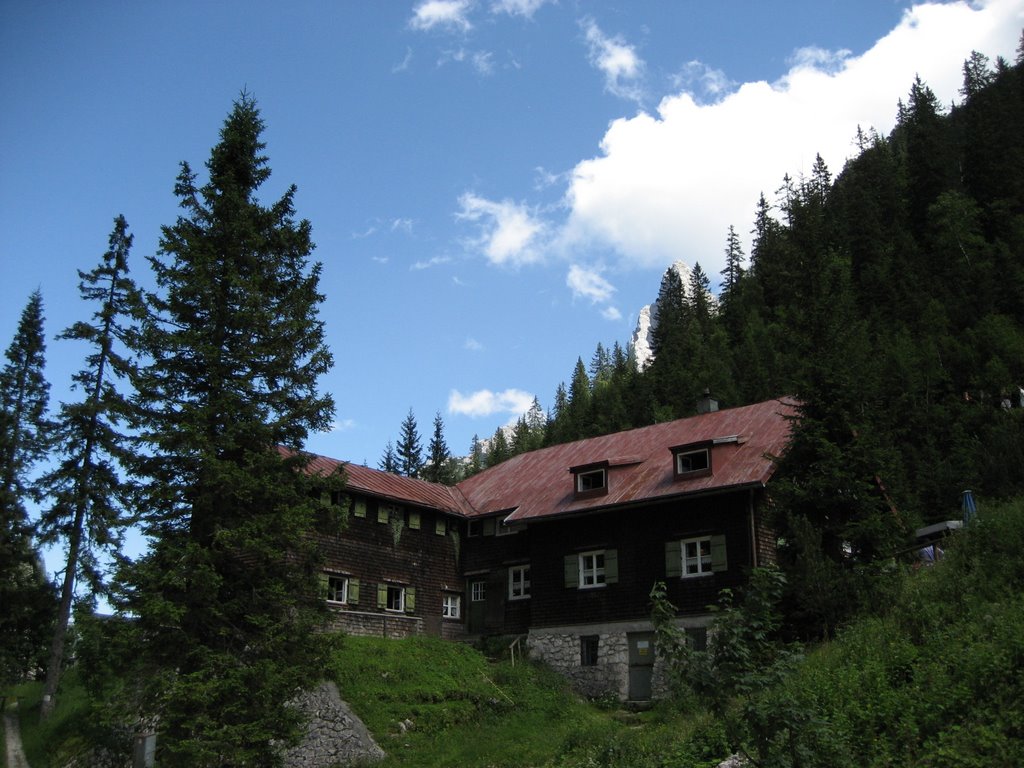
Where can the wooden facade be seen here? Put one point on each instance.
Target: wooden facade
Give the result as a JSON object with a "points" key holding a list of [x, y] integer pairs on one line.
{"points": [[562, 544]]}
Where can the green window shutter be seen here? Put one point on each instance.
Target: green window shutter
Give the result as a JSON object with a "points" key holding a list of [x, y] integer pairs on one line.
{"points": [[414, 521], [719, 562], [353, 591], [489, 527], [360, 508], [572, 571], [410, 599], [673, 558], [382, 514], [323, 579], [611, 566], [382, 595], [440, 527]]}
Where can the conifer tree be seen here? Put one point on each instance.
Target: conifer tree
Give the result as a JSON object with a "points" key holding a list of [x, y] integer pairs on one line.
{"points": [[389, 461], [438, 466], [733, 270], [25, 438], [90, 497], [409, 452], [499, 450], [233, 347]]}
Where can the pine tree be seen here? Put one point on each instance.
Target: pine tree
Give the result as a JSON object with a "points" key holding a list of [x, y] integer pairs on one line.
{"points": [[733, 270], [438, 467], [90, 498], [226, 598], [24, 440], [499, 450], [409, 451], [389, 461]]}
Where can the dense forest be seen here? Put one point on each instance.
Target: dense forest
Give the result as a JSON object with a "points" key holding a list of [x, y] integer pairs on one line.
{"points": [[889, 299]]}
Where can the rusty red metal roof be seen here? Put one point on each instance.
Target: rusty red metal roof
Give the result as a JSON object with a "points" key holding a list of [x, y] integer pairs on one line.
{"points": [[536, 485], [396, 488], [639, 462]]}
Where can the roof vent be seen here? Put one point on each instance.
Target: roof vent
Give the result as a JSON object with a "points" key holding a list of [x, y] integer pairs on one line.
{"points": [[707, 404]]}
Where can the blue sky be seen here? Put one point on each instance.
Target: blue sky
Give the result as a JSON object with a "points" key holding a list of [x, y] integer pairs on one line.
{"points": [[495, 186]]}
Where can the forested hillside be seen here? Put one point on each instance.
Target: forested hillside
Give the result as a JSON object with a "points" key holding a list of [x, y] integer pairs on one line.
{"points": [[890, 299]]}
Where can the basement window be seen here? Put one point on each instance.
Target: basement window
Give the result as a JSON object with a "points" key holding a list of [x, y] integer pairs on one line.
{"points": [[588, 650]]}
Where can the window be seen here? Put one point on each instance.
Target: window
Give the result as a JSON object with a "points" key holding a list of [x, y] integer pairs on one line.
{"points": [[594, 480], [476, 528], [505, 529], [697, 638], [518, 582], [590, 480], [588, 570], [478, 591], [691, 460], [359, 508], [698, 556], [592, 569], [414, 521], [395, 598], [337, 588], [588, 650], [440, 526], [451, 606]]}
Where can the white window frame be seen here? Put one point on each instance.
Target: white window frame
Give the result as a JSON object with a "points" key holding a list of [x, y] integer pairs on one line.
{"points": [[519, 582], [602, 485], [332, 580], [451, 606], [699, 560], [400, 591], [591, 574], [478, 591]]}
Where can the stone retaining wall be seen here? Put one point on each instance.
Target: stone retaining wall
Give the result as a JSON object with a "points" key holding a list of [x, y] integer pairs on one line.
{"points": [[334, 735]]}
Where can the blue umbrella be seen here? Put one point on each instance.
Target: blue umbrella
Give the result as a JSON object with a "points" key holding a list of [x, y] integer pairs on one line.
{"points": [[970, 509]]}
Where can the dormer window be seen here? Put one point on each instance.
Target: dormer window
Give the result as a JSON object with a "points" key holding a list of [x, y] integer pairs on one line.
{"points": [[693, 460], [590, 480]]}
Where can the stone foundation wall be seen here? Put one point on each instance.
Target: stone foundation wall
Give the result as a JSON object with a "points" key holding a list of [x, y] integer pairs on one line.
{"points": [[365, 624], [560, 650]]}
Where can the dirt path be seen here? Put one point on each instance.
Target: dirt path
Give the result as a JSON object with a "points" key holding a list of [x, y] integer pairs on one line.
{"points": [[12, 737]]}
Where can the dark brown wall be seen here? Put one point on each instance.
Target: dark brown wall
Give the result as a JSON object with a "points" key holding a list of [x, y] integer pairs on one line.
{"points": [[639, 535], [367, 550]]}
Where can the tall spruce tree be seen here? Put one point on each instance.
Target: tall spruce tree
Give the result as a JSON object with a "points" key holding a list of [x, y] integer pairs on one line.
{"points": [[438, 467], [226, 598], [24, 440], [389, 459], [409, 451], [89, 494]]}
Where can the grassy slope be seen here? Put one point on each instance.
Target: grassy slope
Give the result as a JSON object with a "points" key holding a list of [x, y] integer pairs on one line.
{"points": [[934, 680]]}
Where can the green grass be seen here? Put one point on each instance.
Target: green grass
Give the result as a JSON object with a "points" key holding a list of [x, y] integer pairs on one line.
{"points": [[465, 710], [52, 743]]}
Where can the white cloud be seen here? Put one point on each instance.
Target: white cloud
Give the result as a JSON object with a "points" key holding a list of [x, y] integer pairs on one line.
{"points": [[402, 225], [700, 80], [444, 14], [344, 425], [484, 402], [434, 262], [616, 59], [524, 8], [611, 313], [510, 232], [472, 345], [403, 65], [668, 185], [588, 283]]}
